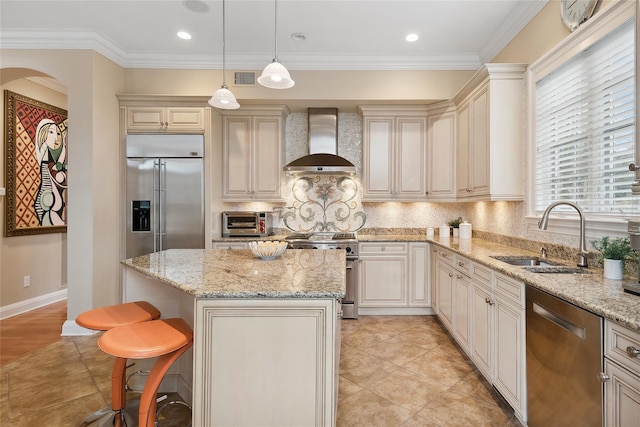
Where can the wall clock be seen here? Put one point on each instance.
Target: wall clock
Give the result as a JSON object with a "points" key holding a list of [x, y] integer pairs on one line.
{"points": [[575, 12]]}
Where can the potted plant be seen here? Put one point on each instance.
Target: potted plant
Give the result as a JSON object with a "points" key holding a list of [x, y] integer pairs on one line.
{"points": [[613, 254], [455, 224]]}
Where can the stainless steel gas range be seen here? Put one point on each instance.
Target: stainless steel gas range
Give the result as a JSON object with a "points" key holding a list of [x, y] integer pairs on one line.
{"points": [[346, 241]]}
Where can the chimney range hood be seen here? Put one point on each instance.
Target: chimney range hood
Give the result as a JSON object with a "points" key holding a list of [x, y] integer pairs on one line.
{"points": [[323, 146]]}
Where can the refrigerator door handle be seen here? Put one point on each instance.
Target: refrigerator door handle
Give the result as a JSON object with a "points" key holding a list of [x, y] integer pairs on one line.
{"points": [[163, 201], [156, 206]]}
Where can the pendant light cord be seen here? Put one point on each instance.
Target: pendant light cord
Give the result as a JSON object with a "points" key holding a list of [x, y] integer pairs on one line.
{"points": [[275, 20], [224, 79]]}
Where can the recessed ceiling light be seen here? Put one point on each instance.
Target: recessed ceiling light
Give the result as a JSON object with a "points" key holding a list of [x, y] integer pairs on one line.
{"points": [[411, 37], [184, 35], [299, 37]]}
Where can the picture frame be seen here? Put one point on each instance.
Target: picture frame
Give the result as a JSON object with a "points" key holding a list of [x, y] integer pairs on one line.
{"points": [[35, 166]]}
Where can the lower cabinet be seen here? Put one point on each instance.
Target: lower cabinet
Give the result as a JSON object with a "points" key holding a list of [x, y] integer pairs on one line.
{"points": [[485, 312], [394, 278], [622, 376], [266, 362], [231, 245]]}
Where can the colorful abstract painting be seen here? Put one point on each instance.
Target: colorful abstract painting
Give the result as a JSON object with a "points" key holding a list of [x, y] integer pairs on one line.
{"points": [[36, 166]]}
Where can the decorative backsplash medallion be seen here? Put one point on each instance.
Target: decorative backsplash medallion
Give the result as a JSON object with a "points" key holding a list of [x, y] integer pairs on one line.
{"points": [[324, 203]]}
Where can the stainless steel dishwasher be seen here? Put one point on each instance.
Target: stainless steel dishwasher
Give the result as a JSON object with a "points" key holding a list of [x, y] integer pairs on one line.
{"points": [[564, 361]]}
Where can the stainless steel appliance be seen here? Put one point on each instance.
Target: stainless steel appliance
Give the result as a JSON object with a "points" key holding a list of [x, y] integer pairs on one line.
{"points": [[564, 363], [165, 193], [346, 241], [247, 224]]}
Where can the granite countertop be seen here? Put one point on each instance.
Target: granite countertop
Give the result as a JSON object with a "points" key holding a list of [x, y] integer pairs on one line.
{"points": [[590, 291], [217, 273]]}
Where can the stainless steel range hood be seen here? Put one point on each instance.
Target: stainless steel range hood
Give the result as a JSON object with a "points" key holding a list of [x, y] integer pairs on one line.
{"points": [[323, 146]]}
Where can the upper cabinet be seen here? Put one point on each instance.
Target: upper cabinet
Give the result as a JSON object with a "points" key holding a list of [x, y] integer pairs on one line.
{"points": [[490, 137], [394, 153], [441, 154], [164, 114], [253, 153]]}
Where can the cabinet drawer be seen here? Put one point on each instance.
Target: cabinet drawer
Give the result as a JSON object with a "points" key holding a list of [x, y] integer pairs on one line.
{"points": [[512, 289], [481, 274], [462, 264], [621, 345], [446, 256], [384, 248]]}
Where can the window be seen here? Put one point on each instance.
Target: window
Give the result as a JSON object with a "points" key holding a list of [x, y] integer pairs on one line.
{"points": [[584, 128]]}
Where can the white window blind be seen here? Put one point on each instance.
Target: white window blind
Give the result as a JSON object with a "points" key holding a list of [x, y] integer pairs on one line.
{"points": [[585, 118]]}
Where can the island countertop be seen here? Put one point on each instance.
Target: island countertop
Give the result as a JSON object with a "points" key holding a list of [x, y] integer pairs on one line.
{"points": [[217, 273]]}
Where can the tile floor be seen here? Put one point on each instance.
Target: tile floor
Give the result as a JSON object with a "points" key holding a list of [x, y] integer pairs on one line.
{"points": [[394, 371]]}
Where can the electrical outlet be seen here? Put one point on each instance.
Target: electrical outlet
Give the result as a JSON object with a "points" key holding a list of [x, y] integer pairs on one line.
{"points": [[26, 281]]}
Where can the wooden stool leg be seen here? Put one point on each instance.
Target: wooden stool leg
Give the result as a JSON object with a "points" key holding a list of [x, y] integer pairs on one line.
{"points": [[147, 412], [118, 380]]}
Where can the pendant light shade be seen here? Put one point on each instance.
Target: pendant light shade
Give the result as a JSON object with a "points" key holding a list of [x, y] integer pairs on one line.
{"points": [[223, 98], [275, 75]]}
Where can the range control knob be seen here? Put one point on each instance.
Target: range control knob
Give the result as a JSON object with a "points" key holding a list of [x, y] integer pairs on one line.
{"points": [[348, 249]]}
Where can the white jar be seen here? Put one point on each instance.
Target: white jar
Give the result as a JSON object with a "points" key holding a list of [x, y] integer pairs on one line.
{"points": [[465, 230], [444, 231]]}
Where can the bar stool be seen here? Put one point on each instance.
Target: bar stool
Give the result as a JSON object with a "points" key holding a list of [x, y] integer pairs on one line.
{"points": [[104, 319], [166, 339]]}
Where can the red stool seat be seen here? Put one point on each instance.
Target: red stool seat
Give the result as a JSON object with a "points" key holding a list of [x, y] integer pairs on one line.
{"points": [[166, 339]]}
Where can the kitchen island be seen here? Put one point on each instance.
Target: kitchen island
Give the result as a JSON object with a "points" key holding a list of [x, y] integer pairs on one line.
{"points": [[266, 332]]}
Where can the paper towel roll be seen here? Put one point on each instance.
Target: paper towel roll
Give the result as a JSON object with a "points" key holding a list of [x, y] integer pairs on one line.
{"points": [[465, 230]]}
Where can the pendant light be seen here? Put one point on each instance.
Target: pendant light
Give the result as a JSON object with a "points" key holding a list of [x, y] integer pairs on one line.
{"points": [[275, 75], [223, 98]]}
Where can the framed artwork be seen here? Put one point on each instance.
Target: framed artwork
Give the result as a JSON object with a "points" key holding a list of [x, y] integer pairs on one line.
{"points": [[36, 166]]}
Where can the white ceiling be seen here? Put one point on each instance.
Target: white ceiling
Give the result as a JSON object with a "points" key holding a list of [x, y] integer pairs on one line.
{"points": [[340, 35]]}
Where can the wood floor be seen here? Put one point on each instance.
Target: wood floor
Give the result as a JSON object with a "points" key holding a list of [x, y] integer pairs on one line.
{"points": [[28, 332]]}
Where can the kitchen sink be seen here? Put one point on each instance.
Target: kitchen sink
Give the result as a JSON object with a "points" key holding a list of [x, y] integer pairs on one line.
{"points": [[526, 261]]}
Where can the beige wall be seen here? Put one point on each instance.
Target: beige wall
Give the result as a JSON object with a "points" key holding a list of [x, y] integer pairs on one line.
{"points": [[43, 256]]}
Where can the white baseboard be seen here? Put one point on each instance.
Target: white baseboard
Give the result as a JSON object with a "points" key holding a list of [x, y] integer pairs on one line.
{"points": [[32, 303], [71, 329], [395, 311]]}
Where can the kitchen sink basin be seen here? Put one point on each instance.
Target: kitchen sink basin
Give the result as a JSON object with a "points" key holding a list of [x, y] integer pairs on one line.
{"points": [[526, 261]]}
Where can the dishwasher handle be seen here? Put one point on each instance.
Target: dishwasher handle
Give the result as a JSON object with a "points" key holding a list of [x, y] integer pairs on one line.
{"points": [[552, 317]]}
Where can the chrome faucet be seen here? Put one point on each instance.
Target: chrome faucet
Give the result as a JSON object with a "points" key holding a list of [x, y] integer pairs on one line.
{"points": [[582, 251]]}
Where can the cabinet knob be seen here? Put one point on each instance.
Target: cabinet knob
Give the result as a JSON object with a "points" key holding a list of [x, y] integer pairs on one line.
{"points": [[461, 264], [633, 167], [383, 249], [450, 274], [632, 351], [458, 276], [444, 254], [603, 377], [488, 301]]}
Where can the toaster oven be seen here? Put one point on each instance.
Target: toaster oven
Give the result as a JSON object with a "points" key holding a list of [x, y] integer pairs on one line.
{"points": [[246, 224]]}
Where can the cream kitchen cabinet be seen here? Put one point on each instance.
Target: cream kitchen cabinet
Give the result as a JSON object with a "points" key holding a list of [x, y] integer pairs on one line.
{"points": [[490, 136], [441, 155], [253, 153], [165, 119], [394, 278], [394, 153], [485, 312], [231, 245], [622, 376]]}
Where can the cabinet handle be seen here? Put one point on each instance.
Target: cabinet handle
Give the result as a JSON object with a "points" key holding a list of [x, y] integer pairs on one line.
{"points": [[488, 301], [458, 276], [633, 352], [603, 377], [434, 250], [450, 274], [461, 264], [444, 254]]}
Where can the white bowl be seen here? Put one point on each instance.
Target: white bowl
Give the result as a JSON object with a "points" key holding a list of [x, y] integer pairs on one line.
{"points": [[269, 249]]}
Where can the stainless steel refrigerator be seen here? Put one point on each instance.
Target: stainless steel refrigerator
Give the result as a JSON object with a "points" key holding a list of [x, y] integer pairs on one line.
{"points": [[165, 193]]}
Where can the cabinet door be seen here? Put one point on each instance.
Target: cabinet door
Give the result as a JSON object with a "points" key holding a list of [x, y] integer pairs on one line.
{"points": [[482, 328], [479, 145], [621, 396], [410, 165], [445, 293], [509, 369], [146, 119], [185, 118], [441, 156], [267, 158], [383, 281], [237, 157], [378, 158], [463, 183], [461, 326], [419, 280]]}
